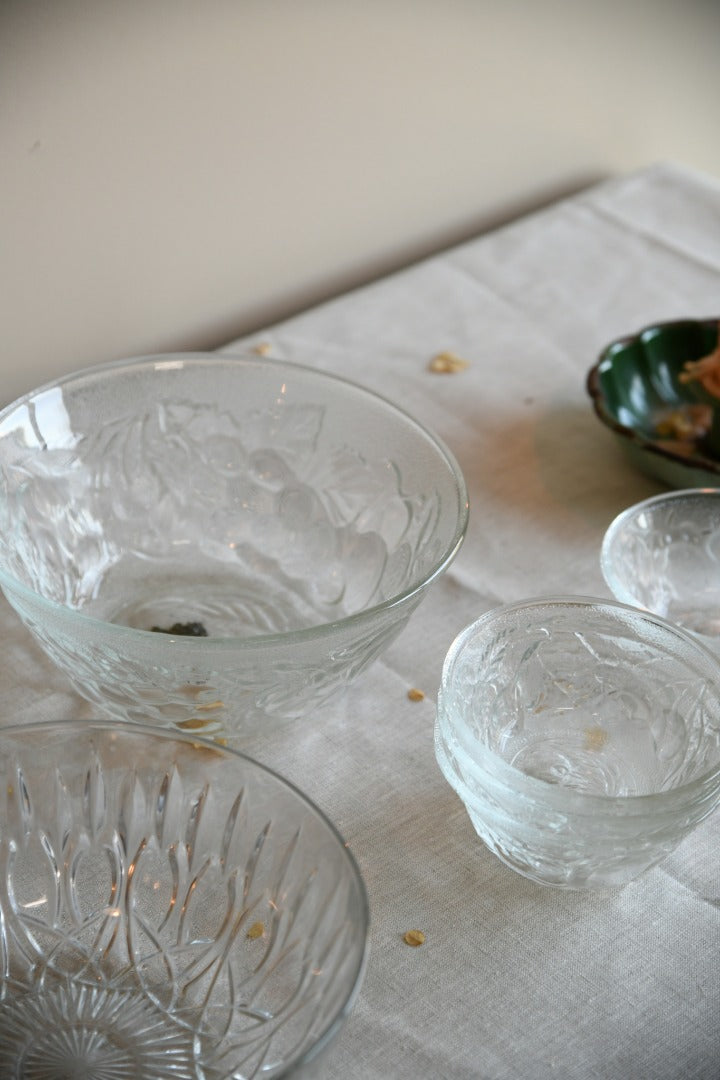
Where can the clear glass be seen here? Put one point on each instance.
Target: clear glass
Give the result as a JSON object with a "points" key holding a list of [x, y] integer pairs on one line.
{"points": [[663, 555], [219, 539], [583, 736], [169, 908]]}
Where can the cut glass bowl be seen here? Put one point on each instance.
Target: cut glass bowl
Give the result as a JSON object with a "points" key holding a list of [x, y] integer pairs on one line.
{"points": [[663, 555], [582, 735], [169, 909], [215, 540], [661, 424]]}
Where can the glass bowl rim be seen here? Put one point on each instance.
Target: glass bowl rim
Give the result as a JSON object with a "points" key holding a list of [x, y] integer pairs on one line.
{"points": [[622, 592], [178, 360], [146, 731], [485, 762]]}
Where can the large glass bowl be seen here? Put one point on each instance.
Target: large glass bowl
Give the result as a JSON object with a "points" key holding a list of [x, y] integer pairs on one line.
{"points": [[582, 735], [292, 517], [663, 555], [169, 908]]}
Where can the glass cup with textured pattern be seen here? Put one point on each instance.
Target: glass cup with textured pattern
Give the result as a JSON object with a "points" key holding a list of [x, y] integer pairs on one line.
{"points": [[582, 735], [663, 555], [169, 908], [218, 540]]}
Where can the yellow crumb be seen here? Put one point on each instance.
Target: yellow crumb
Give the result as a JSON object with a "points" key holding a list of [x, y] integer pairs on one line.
{"points": [[448, 363], [193, 690], [414, 938], [595, 738], [415, 694], [194, 723]]}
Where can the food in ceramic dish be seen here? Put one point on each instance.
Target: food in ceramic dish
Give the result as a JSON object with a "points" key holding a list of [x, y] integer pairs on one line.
{"points": [[639, 389], [705, 371]]}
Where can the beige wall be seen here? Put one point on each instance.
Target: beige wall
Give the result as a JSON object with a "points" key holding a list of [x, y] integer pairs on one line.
{"points": [[176, 172]]}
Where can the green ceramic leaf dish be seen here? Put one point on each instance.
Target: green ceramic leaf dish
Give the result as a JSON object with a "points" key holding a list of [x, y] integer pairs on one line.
{"points": [[636, 392]]}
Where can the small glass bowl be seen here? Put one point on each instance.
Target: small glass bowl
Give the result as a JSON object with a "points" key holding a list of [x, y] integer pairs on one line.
{"points": [[214, 541], [582, 735], [663, 555], [169, 908]]}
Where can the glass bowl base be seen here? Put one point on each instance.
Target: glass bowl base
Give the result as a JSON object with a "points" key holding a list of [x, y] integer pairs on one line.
{"points": [[91, 1033]]}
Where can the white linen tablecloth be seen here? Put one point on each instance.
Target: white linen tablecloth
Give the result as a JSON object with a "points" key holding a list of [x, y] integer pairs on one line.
{"points": [[514, 980]]}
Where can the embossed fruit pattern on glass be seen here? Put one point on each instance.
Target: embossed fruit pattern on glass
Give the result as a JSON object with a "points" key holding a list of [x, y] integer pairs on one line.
{"points": [[219, 539], [663, 555], [168, 909], [582, 735]]}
